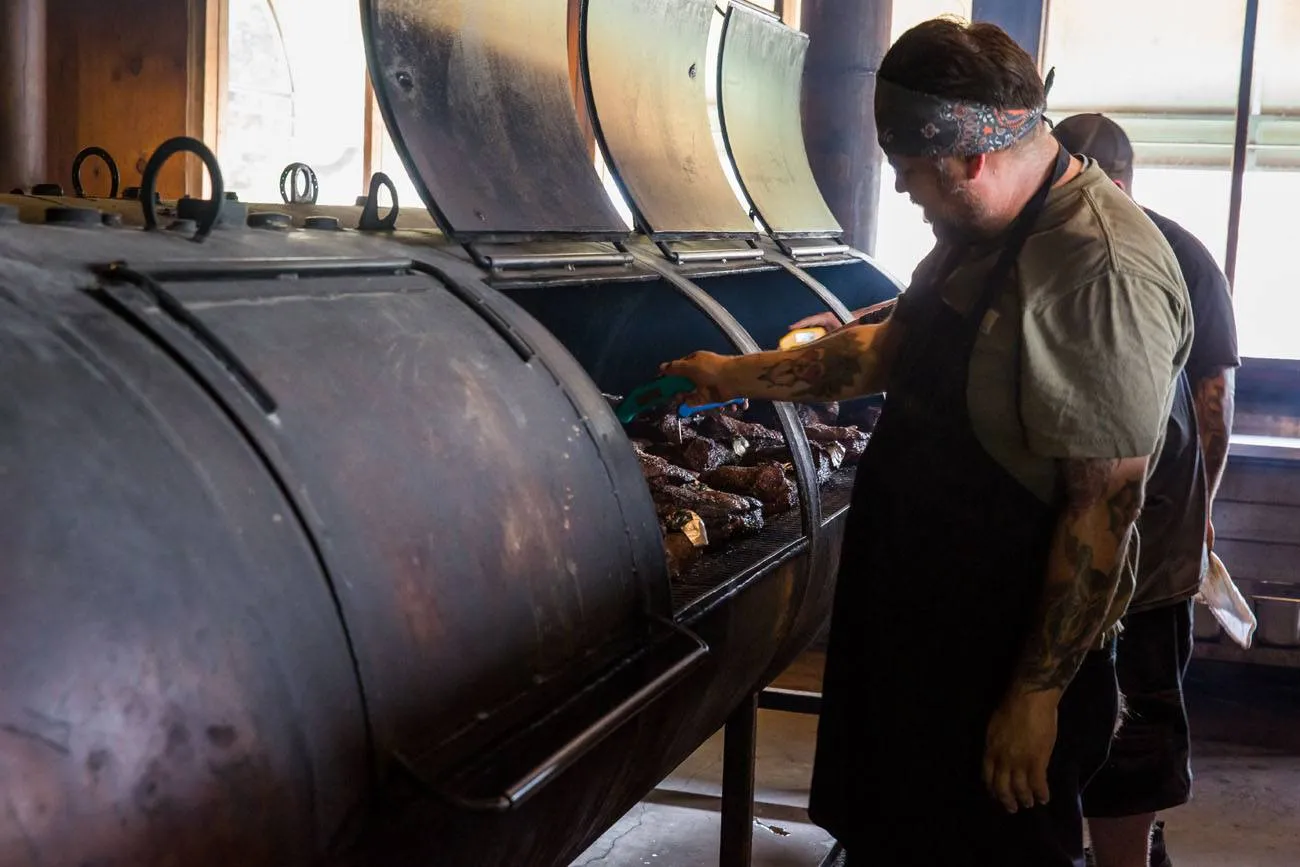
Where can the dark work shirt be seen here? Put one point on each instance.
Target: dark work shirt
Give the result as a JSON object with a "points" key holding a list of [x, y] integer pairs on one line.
{"points": [[1172, 525]]}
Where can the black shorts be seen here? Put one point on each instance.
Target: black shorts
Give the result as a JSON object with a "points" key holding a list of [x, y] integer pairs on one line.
{"points": [[1149, 768]]}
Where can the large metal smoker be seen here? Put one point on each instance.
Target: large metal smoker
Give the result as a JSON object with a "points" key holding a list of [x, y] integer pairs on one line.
{"points": [[321, 545]]}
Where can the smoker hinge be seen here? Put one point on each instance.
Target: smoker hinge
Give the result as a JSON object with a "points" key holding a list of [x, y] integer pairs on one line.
{"points": [[813, 248], [549, 256], [709, 252]]}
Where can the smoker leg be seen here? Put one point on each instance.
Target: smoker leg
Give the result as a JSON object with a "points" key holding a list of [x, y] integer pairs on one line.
{"points": [[791, 701], [739, 748]]}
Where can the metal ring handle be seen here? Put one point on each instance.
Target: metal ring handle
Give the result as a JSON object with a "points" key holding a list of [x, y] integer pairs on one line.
{"points": [[311, 186], [81, 157], [370, 220], [149, 182]]}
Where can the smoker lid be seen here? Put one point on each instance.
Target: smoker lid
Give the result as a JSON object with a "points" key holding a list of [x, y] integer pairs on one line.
{"points": [[647, 71], [477, 98], [760, 81]]}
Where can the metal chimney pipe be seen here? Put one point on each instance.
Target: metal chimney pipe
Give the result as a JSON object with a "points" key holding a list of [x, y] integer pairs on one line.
{"points": [[848, 38]]}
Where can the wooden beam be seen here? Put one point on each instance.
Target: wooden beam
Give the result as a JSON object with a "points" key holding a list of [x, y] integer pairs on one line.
{"points": [[206, 65], [372, 148], [23, 93], [791, 12]]}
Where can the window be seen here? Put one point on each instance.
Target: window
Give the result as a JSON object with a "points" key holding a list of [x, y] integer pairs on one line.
{"points": [[1267, 284], [296, 71], [902, 236], [1177, 105]]}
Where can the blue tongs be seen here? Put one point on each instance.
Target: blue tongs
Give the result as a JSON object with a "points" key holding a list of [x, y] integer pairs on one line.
{"points": [[663, 391]]}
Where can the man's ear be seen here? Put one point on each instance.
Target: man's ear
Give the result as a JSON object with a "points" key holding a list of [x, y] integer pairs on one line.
{"points": [[974, 166], [1123, 186]]}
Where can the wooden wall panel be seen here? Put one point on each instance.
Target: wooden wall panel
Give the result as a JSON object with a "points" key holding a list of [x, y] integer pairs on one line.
{"points": [[1250, 481], [120, 79], [1257, 520]]}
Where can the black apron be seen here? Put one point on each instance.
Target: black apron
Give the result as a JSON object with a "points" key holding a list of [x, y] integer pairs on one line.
{"points": [[944, 559]]}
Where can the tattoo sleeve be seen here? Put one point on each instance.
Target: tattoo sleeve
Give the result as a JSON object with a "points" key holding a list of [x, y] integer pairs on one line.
{"points": [[1214, 409], [848, 363], [1103, 499]]}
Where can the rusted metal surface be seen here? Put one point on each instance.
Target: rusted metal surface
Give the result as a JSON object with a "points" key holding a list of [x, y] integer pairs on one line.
{"points": [[646, 65], [762, 64], [177, 686], [409, 828], [477, 98], [521, 575]]}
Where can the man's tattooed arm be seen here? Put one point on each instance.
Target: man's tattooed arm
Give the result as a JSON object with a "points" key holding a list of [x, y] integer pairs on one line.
{"points": [[851, 362], [1103, 499], [1214, 409]]}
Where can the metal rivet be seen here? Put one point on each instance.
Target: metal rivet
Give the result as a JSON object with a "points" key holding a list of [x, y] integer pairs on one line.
{"points": [[270, 220], [329, 224]]}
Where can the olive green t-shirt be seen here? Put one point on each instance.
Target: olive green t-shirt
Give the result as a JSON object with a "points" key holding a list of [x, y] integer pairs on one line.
{"points": [[1079, 354]]}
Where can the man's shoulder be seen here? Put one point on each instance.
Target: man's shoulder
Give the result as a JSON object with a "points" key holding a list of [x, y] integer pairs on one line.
{"points": [[1102, 238]]}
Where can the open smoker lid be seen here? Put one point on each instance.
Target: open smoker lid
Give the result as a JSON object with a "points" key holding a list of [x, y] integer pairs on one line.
{"points": [[465, 84], [646, 66], [759, 92]]}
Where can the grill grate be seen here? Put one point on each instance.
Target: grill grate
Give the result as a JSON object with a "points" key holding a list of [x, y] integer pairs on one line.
{"points": [[738, 560], [837, 493], [735, 562]]}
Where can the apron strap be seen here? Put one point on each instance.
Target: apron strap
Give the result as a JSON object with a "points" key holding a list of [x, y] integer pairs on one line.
{"points": [[1020, 231]]}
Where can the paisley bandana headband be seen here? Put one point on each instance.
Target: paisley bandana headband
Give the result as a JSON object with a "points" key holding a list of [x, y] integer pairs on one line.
{"points": [[915, 124]]}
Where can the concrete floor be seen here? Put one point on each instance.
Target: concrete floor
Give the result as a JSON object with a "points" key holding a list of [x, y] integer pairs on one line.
{"points": [[1246, 811]]}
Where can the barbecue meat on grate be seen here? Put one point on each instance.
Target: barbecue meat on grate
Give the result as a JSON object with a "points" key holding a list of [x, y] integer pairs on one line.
{"points": [[655, 468], [819, 413], [700, 454], [853, 440], [726, 516], [766, 483], [724, 427]]}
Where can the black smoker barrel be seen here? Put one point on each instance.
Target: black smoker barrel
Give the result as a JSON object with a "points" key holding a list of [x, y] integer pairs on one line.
{"points": [[323, 544]]}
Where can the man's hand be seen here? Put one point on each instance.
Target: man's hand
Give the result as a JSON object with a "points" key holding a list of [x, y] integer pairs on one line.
{"points": [[709, 371], [1018, 748], [1102, 502]]}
